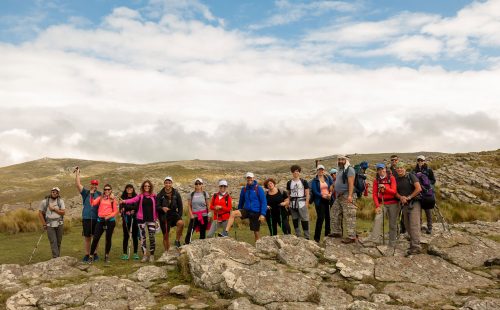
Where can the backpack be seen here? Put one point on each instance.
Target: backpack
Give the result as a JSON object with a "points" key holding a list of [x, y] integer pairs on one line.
{"points": [[255, 189], [427, 196], [47, 206], [304, 184], [359, 180], [204, 193]]}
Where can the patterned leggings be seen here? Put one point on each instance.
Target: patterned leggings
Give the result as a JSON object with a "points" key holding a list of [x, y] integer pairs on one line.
{"points": [[151, 226]]}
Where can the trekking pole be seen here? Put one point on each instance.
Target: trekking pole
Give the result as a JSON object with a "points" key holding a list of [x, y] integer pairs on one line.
{"points": [[130, 236], [441, 218], [167, 236], [36, 247], [216, 222], [383, 221]]}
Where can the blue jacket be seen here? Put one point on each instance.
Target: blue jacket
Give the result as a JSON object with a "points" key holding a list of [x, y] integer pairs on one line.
{"points": [[316, 190], [253, 198]]}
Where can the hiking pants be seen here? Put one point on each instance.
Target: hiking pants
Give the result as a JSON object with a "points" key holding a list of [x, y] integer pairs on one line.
{"points": [[342, 209], [127, 225], [151, 227], [322, 215], [109, 227], [55, 238], [273, 219], [215, 226], [193, 223], [428, 217], [391, 211], [411, 216]]}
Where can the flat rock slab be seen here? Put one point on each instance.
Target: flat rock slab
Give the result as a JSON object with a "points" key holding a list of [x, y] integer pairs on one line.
{"points": [[480, 228], [13, 276], [297, 257], [464, 250], [101, 292], [293, 306], [357, 267], [482, 304], [417, 295], [366, 305], [333, 298], [427, 270], [269, 246], [244, 303], [149, 274], [169, 257]]}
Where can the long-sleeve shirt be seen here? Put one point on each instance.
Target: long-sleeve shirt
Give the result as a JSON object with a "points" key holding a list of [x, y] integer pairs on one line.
{"points": [[139, 198], [389, 194], [107, 207]]}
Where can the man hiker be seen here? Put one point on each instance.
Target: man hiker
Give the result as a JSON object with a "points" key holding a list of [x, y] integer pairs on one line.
{"points": [[252, 205], [408, 189], [89, 214], [343, 207], [169, 207], [392, 169], [423, 168], [299, 201], [51, 213]]}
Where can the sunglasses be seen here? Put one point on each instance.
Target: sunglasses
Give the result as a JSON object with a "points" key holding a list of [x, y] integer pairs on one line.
{"points": [[222, 185], [147, 185], [197, 183], [394, 159], [420, 160], [107, 189]]}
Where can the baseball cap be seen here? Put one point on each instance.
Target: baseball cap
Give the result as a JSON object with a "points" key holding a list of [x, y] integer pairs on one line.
{"points": [[168, 178], [249, 175], [333, 170], [320, 167], [380, 166], [400, 164], [94, 182], [222, 183], [422, 157], [198, 180], [55, 189]]}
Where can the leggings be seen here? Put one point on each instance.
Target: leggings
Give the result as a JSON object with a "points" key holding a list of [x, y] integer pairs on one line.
{"points": [[101, 226], [126, 225], [275, 217], [151, 226]]}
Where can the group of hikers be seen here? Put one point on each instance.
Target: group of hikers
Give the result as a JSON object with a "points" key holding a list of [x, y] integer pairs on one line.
{"points": [[397, 193]]}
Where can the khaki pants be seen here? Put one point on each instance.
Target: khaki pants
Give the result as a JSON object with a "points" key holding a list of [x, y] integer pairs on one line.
{"points": [[411, 217], [342, 209], [392, 211]]}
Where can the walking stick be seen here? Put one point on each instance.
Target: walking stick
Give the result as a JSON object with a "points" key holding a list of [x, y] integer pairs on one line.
{"points": [[36, 247], [130, 236], [383, 221]]}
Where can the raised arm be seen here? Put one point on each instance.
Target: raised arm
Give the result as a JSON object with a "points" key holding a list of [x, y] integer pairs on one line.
{"points": [[78, 182]]}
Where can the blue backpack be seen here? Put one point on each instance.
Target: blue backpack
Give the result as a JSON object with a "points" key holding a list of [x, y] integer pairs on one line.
{"points": [[427, 195]]}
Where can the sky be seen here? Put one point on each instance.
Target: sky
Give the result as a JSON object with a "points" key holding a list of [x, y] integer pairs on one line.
{"points": [[157, 80]]}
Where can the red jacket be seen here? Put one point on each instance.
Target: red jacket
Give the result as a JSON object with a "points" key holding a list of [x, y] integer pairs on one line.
{"points": [[389, 194], [222, 214]]}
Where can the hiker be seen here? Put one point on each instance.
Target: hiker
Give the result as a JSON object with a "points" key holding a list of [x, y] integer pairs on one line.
{"points": [[322, 186], [344, 207], [129, 222], [252, 205], [107, 209], [146, 219], [392, 169], [299, 201], [89, 214], [386, 204], [169, 207], [51, 213], [221, 205], [333, 174], [408, 189], [360, 185], [198, 202], [277, 208], [423, 168]]}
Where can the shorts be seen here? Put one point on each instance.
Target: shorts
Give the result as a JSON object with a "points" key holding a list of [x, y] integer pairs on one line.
{"points": [[88, 226], [169, 221], [253, 217]]}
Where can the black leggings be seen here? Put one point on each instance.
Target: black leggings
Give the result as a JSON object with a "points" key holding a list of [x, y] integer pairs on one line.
{"points": [[126, 222], [100, 227], [192, 224], [322, 215], [275, 217]]}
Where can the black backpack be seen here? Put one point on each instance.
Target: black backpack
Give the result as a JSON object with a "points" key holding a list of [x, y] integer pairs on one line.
{"points": [[359, 180]]}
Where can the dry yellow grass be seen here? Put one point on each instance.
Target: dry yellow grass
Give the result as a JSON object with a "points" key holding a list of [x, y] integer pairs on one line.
{"points": [[22, 220]]}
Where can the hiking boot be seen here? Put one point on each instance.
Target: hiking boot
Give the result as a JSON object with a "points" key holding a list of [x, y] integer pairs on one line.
{"points": [[348, 240], [223, 234], [124, 257], [136, 256], [152, 259], [335, 235], [85, 259], [96, 257], [412, 252], [177, 244], [428, 231], [144, 259]]}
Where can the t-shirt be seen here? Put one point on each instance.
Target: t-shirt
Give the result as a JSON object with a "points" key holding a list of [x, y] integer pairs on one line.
{"points": [[340, 186], [147, 209], [297, 188], [199, 203], [405, 187], [88, 212], [324, 188], [52, 218], [274, 200]]}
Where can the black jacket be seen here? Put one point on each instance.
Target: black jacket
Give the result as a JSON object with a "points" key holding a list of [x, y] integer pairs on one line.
{"points": [[174, 206]]}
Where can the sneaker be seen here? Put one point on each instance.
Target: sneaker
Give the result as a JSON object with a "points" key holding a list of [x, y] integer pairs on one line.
{"points": [[106, 259], [124, 257], [144, 259], [335, 235], [136, 256], [177, 244], [91, 260], [96, 257], [85, 259], [348, 240], [223, 234], [412, 252], [152, 259]]}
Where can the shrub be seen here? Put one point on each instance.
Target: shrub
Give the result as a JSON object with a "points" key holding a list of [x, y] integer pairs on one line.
{"points": [[20, 220]]}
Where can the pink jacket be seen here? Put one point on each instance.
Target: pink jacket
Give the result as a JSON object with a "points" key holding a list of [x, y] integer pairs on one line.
{"points": [[140, 197]]}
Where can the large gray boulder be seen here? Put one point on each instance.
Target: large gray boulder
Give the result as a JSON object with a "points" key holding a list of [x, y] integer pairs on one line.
{"points": [[98, 293]]}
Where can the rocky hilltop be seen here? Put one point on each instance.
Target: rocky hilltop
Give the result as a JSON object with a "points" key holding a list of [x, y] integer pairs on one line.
{"points": [[471, 178], [460, 270]]}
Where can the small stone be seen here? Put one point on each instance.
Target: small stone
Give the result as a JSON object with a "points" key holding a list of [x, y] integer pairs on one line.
{"points": [[381, 298], [169, 307], [448, 307], [199, 306], [181, 290], [182, 305], [363, 290], [463, 291]]}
